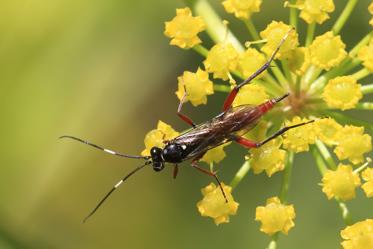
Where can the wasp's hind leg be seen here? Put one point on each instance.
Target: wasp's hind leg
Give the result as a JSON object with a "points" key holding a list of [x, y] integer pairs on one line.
{"points": [[184, 117], [175, 171], [213, 174], [232, 95], [252, 144]]}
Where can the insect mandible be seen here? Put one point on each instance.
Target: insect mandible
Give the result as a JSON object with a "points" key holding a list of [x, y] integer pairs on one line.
{"points": [[228, 126]]}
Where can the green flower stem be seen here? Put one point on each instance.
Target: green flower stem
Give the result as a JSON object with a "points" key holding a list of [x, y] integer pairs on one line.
{"points": [[365, 106], [362, 167], [324, 152], [367, 89], [298, 85], [319, 160], [293, 18], [279, 75], [362, 43], [241, 173], [222, 88], [218, 32], [344, 119], [286, 177], [345, 212], [310, 33], [273, 243], [252, 30], [344, 16], [289, 77], [312, 73], [201, 50], [361, 74]]}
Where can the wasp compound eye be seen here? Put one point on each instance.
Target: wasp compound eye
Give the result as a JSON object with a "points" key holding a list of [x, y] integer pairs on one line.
{"points": [[158, 166]]}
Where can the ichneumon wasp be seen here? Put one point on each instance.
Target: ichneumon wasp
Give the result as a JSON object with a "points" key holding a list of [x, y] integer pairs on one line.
{"points": [[227, 126]]}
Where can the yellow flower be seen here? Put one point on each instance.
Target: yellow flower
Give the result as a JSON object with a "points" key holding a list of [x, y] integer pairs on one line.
{"points": [[215, 155], [299, 60], [340, 183], [342, 92], [370, 9], [221, 59], [368, 186], [299, 139], [213, 203], [183, 29], [197, 85], [366, 56], [275, 217], [158, 136], [327, 130], [250, 61], [274, 32], [315, 10], [327, 51], [359, 235], [268, 157], [242, 8], [251, 94], [353, 144]]}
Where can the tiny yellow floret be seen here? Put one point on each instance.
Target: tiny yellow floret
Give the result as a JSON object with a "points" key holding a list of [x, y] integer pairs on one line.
{"points": [[370, 9], [315, 10], [342, 92], [327, 51], [275, 217], [158, 136], [368, 185], [327, 130], [250, 61], [183, 29], [269, 158], [340, 183], [299, 139], [299, 60], [358, 236], [221, 59], [242, 9], [366, 56], [214, 205], [215, 155], [274, 33], [251, 94], [353, 144], [197, 85]]}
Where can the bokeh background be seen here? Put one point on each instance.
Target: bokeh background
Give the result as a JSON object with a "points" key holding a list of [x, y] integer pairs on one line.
{"points": [[103, 70]]}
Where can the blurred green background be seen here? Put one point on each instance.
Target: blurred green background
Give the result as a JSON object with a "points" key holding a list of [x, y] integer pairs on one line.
{"points": [[103, 70]]}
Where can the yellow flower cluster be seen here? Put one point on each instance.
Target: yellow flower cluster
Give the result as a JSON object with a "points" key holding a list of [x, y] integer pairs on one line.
{"points": [[358, 236], [215, 155], [340, 183], [157, 137], [183, 29], [366, 56], [327, 130], [315, 10], [275, 216], [197, 86], [214, 205], [342, 92], [242, 8], [368, 185], [252, 94], [299, 139]]}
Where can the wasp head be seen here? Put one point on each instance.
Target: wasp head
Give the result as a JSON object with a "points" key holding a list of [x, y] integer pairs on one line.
{"points": [[157, 159]]}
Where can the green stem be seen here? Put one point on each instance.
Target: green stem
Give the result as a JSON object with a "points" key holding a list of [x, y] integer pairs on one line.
{"points": [[367, 89], [215, 27], [362, 43], [324, 152], [362, 167], [344, 16], [320, 163], [241, 173], [345, 212], [201, 50], [361, 74], [222, 88], [286, 177], [273, 243], [285, 67], [365, 106], [252, 30], [293, 18], [344, 119], [310, 33], [279, 75]]}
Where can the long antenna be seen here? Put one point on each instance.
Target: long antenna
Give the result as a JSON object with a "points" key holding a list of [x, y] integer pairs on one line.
{"points": [[103, 149], [114, 188]]}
